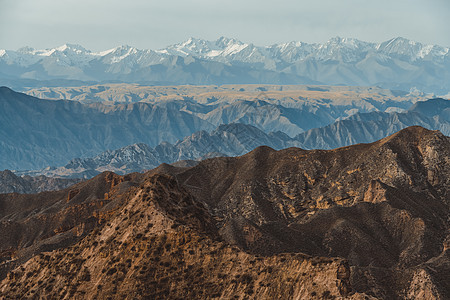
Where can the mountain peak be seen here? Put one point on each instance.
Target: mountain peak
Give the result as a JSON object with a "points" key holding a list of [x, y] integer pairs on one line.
{"points": [[73, 47], [4, 89], [226, 41], [345, 41], [26, 49], [412, 50], [191, 41]]}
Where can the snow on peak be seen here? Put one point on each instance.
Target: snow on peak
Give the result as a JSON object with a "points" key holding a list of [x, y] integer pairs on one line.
{"points": [[71, 47], [120, 53], [413, 50], [192, 46], [228, 50], [207, 49], [224, 42], [346, 43], [345, 49], [293, 44]]}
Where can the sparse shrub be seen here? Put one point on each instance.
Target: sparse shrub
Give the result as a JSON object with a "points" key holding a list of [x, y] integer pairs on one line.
{"points": [[326, 294], [111, 271], [246, 278], [249, 291]]}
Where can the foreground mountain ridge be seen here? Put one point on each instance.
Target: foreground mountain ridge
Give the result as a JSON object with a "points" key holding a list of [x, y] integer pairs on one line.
{"points": [[396, 62], [364, 221]]}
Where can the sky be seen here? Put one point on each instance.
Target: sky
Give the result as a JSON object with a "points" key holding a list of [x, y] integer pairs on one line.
{"points": [[147, 24]]}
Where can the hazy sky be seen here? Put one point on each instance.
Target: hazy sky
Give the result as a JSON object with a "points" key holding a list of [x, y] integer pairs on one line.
{"points": [[103, 24]]}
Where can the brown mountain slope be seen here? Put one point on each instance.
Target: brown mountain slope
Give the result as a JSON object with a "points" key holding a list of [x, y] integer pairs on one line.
{"points": [[383, 207], [30, 224], [163, 244]]}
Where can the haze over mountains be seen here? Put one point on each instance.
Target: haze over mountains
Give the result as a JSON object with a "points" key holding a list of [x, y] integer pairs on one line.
{"points": [[367, 221], [396, 63]]}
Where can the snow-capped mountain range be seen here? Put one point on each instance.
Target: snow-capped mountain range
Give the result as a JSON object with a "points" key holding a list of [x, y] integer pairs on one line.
{"points": [[398, 62], [345, 49]]}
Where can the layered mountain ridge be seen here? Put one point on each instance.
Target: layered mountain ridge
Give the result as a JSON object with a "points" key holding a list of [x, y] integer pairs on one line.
{"points": [[35, 132], [238, 139], [395, 63], [38, 133], [364, 221]]}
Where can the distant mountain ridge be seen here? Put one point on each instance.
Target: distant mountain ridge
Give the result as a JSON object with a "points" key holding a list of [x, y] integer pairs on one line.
{"points": [[37, 133], [369, 127], [238, 139], [226, 140], [398, 62], [10, 183]]}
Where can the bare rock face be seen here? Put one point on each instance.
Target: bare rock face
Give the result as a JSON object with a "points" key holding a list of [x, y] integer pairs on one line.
{"points": [[375, 193], [359, 222]]}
